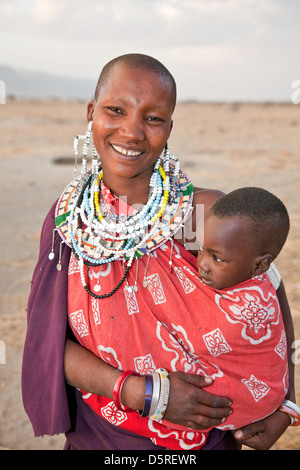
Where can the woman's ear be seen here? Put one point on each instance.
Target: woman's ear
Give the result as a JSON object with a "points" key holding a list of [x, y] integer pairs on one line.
{"points": [[90, 110], [262, 263]]}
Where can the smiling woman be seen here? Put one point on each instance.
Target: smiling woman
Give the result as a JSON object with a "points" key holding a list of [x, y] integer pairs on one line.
{"points": [[113, 356], [130, 128]]}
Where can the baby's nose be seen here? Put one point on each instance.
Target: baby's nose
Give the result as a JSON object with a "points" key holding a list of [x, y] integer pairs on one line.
{"points": [[202, 262]]}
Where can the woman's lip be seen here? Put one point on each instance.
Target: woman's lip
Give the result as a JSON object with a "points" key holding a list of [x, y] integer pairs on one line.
{"points": [[127, 152]]}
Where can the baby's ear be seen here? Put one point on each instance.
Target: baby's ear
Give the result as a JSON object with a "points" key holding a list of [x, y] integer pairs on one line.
{"points": [[262, 263]]}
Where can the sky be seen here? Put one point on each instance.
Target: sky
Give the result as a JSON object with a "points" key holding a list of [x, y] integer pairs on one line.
{"points": [[217, 50]]}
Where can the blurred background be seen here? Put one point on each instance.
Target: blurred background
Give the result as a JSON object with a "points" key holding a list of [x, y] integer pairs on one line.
{"points": [[218, 50], [237, 123]]}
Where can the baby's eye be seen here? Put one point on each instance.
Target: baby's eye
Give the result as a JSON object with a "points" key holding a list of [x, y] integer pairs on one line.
{"points": [[154, 119], [217, 259]]}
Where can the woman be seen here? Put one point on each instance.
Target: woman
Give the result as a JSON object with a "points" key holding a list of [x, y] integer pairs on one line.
{"points": [[131, 118]]}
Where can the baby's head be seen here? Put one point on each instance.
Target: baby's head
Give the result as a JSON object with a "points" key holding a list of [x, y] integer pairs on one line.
{"points": [[244, 231]]}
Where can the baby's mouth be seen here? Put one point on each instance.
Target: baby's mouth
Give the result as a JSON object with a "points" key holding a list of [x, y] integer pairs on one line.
{"points": [[127, 152], [204, 278]]}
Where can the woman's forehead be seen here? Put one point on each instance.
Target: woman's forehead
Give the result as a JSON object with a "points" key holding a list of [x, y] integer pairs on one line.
{"points": [[123, 75], [136, 81]]}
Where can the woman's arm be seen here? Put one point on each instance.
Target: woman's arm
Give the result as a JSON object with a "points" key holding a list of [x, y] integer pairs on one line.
{"points": [[189, 405]]}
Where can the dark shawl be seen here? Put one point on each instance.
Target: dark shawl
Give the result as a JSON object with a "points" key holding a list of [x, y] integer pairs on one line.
{"points": [[45, 395]]}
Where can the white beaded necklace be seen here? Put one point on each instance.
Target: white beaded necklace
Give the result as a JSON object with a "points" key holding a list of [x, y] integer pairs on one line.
{"points": [[129, 235], [97, 239]]}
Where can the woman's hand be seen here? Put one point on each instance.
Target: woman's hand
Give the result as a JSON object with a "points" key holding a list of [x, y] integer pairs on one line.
{"points": [[191, 406], [264, 433]]}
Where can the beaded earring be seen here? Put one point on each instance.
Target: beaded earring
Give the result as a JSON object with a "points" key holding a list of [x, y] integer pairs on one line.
{"points": [[86, 138]]}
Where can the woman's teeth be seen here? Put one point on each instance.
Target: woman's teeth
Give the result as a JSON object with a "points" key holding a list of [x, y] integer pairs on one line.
{"points": [[131, 153]]}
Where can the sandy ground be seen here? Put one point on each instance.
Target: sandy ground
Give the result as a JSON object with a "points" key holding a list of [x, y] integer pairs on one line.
{"points": [[221, 146]]}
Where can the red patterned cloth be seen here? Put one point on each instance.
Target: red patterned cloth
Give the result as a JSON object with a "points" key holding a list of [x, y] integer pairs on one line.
{"points": [[235, 336]]}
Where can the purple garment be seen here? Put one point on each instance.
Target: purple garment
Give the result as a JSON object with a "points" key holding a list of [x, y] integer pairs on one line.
{"points": [[43, 384], [52, 405]]}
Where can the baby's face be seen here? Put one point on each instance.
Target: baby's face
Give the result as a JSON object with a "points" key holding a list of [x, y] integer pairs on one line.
{"points": [[226, 255]]}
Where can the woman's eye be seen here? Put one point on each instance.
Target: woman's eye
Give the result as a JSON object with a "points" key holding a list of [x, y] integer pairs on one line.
{"points": [[113, 109]]}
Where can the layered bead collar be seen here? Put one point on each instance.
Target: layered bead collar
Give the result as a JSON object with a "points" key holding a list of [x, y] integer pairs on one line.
{"points": [[88, 222]]}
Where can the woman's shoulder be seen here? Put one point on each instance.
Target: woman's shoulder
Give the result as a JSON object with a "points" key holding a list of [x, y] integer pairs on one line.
{"points": [[206, 196]]}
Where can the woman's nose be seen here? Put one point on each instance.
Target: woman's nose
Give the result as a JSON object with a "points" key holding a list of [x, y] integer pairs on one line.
{"points": [[132, 128]]}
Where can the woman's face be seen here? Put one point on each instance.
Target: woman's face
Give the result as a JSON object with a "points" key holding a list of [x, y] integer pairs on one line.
{"points": [[132, 120]]}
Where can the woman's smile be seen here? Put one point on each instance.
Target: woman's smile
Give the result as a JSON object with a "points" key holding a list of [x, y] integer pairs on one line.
{"points": [[127, 152]]}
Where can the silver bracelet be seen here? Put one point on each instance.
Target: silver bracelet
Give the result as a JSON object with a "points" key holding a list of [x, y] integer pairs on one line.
{"points": [[164, 395], [156, 393]]}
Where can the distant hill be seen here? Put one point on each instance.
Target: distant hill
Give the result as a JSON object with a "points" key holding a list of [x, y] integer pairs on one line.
{"points": [[26, 84]]}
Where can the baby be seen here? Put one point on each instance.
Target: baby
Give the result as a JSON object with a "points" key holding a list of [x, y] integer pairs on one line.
{"points": [[244, 231]]}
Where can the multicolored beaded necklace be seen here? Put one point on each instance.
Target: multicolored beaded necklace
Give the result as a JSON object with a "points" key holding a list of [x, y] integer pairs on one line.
{"points": [[96, 239]]}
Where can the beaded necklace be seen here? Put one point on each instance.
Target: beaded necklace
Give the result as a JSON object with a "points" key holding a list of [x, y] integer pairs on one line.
{"points": [[96, 239]]}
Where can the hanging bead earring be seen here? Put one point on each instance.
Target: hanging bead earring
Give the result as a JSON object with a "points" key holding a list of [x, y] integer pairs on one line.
{"points": [[85, 148], [86, 138], [76, 150], [96, 160]]}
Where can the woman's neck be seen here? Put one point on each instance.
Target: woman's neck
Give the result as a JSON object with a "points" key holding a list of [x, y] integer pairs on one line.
{"points": [[133, 190]]}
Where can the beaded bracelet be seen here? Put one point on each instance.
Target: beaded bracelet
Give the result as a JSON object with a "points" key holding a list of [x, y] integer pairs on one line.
{"points": [[164, 395], [117, 390]]}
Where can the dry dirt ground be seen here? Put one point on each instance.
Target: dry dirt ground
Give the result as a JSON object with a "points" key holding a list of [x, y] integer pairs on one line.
{"points": [[221, 146]]}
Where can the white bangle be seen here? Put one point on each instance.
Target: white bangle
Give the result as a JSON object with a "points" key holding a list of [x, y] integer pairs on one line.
{"points": [[292, 410], [164, 395], [155, 393], [292, 405]]}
